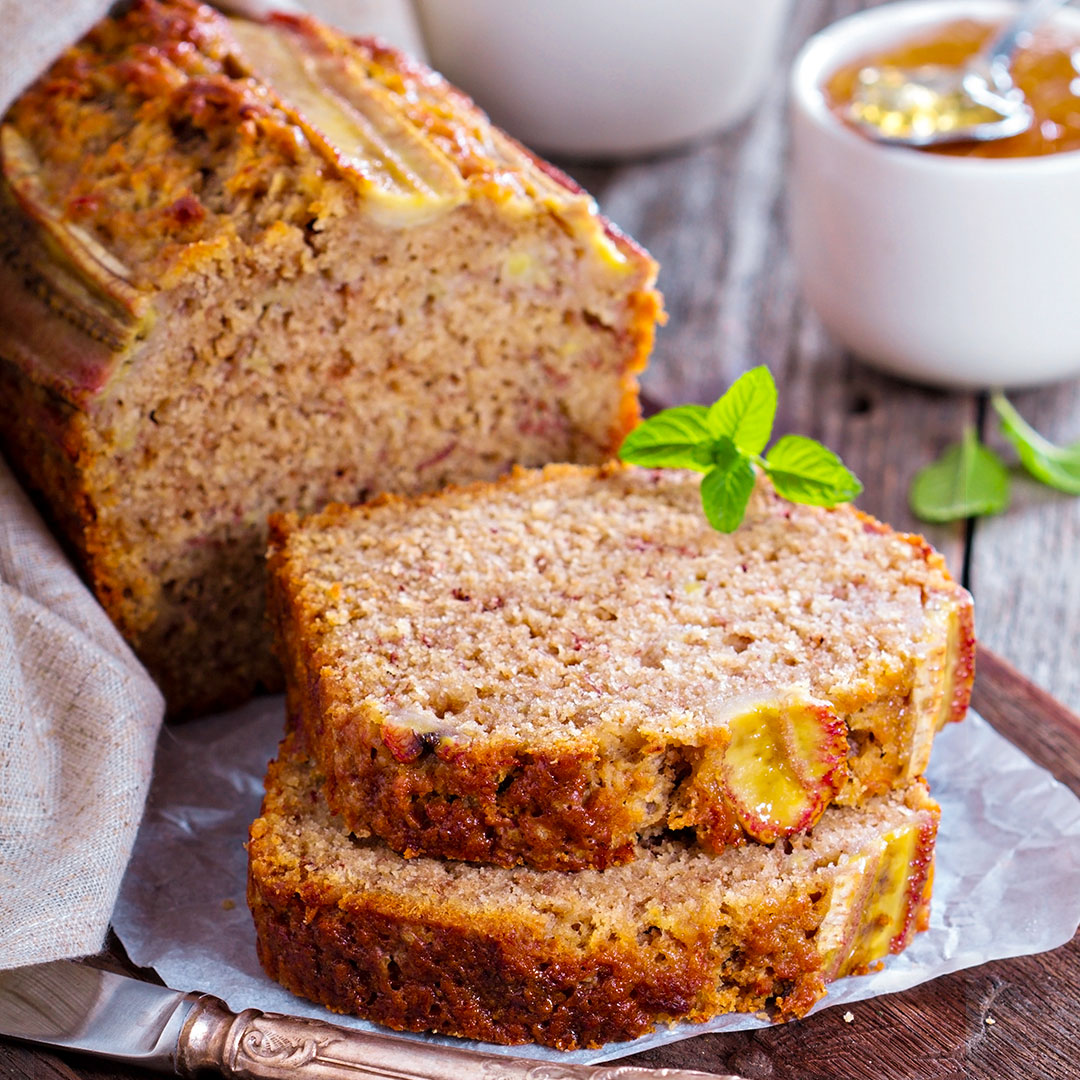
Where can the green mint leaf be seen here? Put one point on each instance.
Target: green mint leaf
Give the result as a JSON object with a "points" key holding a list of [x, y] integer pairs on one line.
{"points": [[725, 491], [968, 480], [804, 471], [676, 438], [725, 442], [745, 413], [1056, 466]]}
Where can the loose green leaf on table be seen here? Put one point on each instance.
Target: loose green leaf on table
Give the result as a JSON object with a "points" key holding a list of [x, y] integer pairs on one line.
{"points": [[1056, 466], [726, 441], [968, 480]]}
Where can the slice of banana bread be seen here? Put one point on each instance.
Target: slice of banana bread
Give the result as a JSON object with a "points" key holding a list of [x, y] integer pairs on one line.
{"points": [[249, 267], [553, 667], [569, 960]]}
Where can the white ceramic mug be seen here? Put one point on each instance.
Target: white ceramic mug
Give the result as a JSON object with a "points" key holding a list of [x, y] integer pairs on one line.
{"points": [[607, 77], [957, 271]]}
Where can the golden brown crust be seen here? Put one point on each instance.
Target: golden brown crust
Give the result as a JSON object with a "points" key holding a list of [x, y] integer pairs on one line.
{"points": [[962, 672], [415, 976], [171, 97], [40, 436], [498, 808]]}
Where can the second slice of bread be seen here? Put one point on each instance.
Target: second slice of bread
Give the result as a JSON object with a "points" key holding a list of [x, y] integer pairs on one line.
{"points": [[567, 960]]}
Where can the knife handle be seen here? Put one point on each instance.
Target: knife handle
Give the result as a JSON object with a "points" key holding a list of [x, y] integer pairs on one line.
{"points": [[254, 1045]]}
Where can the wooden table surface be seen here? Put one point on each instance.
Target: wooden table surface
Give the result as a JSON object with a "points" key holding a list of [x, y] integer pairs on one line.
{"points": [[714, 216]]}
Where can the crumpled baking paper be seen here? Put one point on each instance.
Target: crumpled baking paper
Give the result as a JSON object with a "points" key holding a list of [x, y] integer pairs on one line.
{"points": [[1007, 881]]}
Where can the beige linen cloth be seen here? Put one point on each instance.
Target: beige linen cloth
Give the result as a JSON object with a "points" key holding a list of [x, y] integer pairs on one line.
{"points": [[78, 714]]}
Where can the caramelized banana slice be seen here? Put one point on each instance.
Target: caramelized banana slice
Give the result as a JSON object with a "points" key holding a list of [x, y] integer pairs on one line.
{"points": [[882, 896], [83, 280], [781, 763], [353, 120]]}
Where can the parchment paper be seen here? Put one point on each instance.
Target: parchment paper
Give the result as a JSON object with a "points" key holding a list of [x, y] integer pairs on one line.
{"points": [[1007, 881]]}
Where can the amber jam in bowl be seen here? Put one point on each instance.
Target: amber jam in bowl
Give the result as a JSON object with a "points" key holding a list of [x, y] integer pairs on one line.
{"points": [[1046, 68], [952, 267]]}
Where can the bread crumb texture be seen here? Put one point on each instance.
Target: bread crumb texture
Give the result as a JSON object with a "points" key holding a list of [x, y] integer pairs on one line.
{"points": [[252, 267], [569, 960], [555, 668]]}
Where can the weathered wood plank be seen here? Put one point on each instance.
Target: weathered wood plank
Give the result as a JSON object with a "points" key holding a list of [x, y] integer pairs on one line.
{"points": [[1040, 725], [996, 1021], [22, 1063], [1026, 562]]}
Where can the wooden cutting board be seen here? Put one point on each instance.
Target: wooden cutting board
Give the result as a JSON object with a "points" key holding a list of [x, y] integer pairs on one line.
{"points": [[1008, 1020]]}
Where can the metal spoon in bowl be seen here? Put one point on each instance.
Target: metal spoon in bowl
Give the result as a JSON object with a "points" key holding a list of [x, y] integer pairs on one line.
{"points": [[935, 104]]}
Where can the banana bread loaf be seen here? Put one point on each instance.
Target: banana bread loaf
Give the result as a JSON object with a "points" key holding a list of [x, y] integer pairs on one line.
{"points": [[569, 960], [552, 668], [248, 267]]}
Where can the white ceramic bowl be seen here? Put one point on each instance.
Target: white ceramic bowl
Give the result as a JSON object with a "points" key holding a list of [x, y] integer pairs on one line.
{"points": [[607, 77], [962, 272]]}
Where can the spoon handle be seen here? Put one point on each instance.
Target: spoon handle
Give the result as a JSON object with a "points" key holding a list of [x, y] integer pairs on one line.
{"points": [[997, 57]]}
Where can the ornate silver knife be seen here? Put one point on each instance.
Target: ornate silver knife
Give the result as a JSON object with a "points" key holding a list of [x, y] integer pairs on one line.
{"points": [[74, 1007]]}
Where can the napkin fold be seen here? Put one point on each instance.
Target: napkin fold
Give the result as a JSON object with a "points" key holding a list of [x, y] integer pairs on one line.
{"points": [[79, 717]]}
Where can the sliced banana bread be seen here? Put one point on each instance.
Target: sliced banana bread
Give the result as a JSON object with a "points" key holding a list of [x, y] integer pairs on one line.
{"points": [[248, 267], [569, 960], [553, 667]]}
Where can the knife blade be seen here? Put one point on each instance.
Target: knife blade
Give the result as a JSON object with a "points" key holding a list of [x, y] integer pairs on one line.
{"points": [[75, 1007], [71, 1006]]}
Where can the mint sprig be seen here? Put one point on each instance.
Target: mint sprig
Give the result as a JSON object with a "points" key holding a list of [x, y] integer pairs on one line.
{"points": [[725, 442], [971, 480], [677, 438], [725, 492]]}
